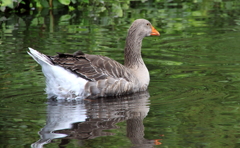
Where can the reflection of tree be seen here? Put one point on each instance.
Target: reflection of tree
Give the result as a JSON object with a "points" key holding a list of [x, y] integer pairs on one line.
{"points": [[223, 14], [88, 120]]}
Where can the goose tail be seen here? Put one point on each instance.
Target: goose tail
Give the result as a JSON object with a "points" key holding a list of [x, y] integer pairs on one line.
{"points": [[60, 82], [40, 58]]}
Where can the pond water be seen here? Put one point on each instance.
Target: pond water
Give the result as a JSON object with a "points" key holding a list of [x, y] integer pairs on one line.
{"points": [[194, 93]]}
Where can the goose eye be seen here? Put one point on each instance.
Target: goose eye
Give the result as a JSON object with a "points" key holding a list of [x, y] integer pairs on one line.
{"points": [[148, 24]]}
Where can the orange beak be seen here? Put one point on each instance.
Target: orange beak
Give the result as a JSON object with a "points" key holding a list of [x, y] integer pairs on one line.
{"points": [[156, 142], [154, 32]]}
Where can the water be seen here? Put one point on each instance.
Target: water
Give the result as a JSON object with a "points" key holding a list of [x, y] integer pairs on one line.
{"points": [[193, 98]]}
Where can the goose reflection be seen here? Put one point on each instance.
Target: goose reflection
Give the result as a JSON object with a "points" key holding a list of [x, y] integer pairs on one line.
{"points": [[88, 120]]}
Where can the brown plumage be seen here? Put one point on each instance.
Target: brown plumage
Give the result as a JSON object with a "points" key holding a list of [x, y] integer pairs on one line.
{"points": [[101, 72], [107, 77]]}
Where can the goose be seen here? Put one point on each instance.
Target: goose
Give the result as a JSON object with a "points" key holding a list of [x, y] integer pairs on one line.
{"points": [[81, 75]]}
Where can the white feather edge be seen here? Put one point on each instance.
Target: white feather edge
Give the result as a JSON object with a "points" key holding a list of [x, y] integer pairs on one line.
{"points": [[60, 82]]}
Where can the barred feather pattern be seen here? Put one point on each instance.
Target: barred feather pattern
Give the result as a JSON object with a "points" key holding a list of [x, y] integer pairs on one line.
{"points": [[106, 77]]}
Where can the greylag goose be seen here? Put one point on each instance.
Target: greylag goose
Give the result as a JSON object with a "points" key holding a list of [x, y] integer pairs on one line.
{"points": [[81, 75]]}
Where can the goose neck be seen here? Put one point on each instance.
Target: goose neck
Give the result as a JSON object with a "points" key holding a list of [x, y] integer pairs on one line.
{"points": [[132, 53]]}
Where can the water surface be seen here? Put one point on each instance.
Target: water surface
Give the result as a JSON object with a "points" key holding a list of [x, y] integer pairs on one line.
{"points": [[193, 98]]}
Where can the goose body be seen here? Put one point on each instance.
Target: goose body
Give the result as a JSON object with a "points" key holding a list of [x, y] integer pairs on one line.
{"points": [[81, 75]]}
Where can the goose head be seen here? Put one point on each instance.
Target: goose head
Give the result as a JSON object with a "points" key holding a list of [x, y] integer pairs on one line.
{"points": [[142, 28]]}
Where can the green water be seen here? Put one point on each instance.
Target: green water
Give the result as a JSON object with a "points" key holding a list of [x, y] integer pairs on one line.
{"points": [[194, 93]]}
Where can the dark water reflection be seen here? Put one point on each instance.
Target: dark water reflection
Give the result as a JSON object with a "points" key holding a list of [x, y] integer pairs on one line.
{"points": [[90, 119]]}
